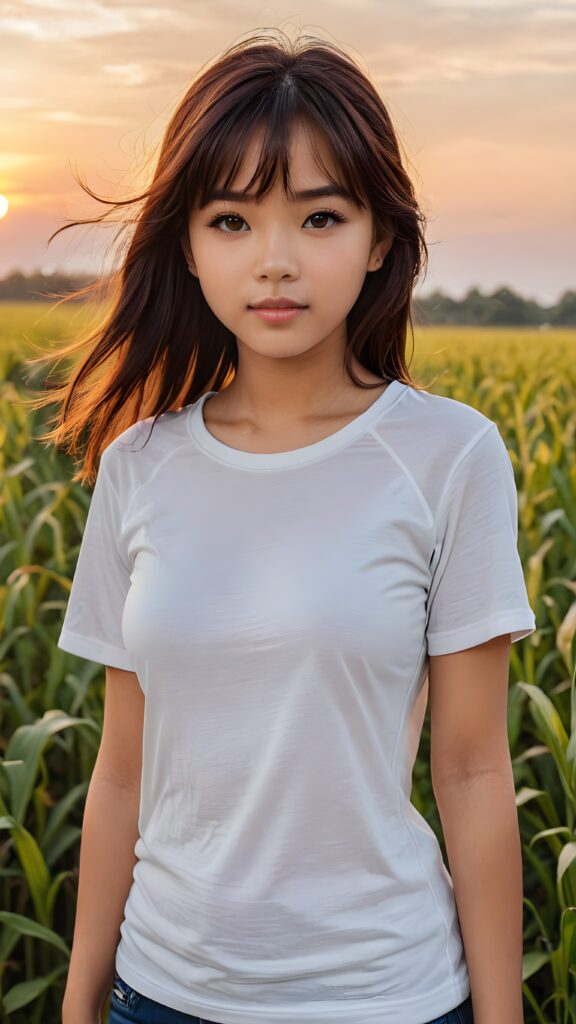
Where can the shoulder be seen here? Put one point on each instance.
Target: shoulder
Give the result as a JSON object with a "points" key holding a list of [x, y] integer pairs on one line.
{"points": [[441, 417], [447, 430], [438, 439], [133, 455], [164, 428]]}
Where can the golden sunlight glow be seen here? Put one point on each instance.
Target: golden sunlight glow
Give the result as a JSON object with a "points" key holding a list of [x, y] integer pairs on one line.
{"points": [[3, 206]]}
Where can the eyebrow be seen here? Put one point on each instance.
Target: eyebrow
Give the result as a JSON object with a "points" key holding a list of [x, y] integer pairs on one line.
{"points": [[336, 191]]}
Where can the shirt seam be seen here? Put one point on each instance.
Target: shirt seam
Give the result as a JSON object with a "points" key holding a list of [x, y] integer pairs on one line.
{"points": [[499, 616], [124, 959], [458, 462], [144, 483], [107, 476], [102, 469], [388, 448], [93, 642], [408, 702], [306, 459]]}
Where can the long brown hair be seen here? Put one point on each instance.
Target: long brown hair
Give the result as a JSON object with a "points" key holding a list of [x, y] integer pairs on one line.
{"points": [[160, 346]]}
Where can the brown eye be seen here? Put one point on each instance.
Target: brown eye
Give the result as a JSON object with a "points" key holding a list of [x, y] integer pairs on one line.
{"points": [[215, 222], [333, 214], [236, 220], [313, 216]]}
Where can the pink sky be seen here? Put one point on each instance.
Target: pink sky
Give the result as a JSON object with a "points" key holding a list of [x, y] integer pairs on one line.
{"points": [[483, 96]]}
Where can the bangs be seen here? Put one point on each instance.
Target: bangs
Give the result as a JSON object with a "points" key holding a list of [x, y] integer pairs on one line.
{"points": [[218, 158]]}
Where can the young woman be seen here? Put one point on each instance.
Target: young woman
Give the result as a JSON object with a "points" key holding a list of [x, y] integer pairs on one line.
{"points": [[287, 539]]}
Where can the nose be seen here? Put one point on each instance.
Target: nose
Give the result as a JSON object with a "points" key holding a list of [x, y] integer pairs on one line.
{"points": [[276, 256]]}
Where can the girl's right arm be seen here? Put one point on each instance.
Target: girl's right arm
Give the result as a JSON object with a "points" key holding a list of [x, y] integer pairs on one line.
{"points": [[107, 859]]}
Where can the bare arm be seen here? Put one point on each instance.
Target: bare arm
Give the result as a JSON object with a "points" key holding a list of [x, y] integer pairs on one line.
{"points": [[474, 789], [109, 835]]}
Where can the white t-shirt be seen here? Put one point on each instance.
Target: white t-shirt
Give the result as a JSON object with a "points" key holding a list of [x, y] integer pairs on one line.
{"points": [[279, 610]]}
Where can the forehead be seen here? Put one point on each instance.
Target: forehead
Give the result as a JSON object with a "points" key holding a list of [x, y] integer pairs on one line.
{"points": [[309, 157], [311, 169]]}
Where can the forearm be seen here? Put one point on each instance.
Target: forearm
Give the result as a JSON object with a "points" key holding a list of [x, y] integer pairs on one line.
{"points": [[109, 834], [480, 826]]}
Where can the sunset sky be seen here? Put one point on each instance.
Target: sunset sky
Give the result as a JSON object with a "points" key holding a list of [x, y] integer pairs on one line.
{"points": [[482, 94]]}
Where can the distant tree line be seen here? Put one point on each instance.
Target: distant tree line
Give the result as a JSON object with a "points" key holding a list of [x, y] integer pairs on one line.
{"points": [[502, 308]]}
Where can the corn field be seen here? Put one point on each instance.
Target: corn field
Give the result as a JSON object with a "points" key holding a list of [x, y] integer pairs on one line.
{"points": [[51, 702]]}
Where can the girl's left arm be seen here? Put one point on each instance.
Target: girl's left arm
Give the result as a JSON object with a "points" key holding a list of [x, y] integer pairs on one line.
{"points": [[473, 784]]}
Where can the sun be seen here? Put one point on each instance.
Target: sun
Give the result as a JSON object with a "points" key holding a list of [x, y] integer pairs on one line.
{"points": [[3, 206]]}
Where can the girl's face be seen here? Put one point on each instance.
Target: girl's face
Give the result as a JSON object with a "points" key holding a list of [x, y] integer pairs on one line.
{"points": [[278, 247]]}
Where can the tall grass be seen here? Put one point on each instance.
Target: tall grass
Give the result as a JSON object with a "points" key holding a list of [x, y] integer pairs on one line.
{"points": [[52, 702]]}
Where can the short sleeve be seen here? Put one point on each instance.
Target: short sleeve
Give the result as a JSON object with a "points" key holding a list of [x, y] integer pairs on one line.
{"points": [[92, 626], [477, 589]]}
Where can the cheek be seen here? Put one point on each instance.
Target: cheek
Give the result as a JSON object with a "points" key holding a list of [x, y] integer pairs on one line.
{"points": [[215, 269], [338, 275], [224, 289], [344, 255], [221, 265]]}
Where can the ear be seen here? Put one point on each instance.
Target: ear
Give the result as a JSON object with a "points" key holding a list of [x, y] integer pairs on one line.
{"points": [[185, 243], [379, 252]]}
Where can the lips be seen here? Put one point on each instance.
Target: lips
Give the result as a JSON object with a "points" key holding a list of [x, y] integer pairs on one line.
{"points": [[279, 315], [279, 303]]}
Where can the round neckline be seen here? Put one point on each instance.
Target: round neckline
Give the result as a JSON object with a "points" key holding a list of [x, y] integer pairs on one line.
{"points": [[294, 456]]}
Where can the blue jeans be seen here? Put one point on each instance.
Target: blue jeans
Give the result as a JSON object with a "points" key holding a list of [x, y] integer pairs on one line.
{"points": [[127, 1006]]}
